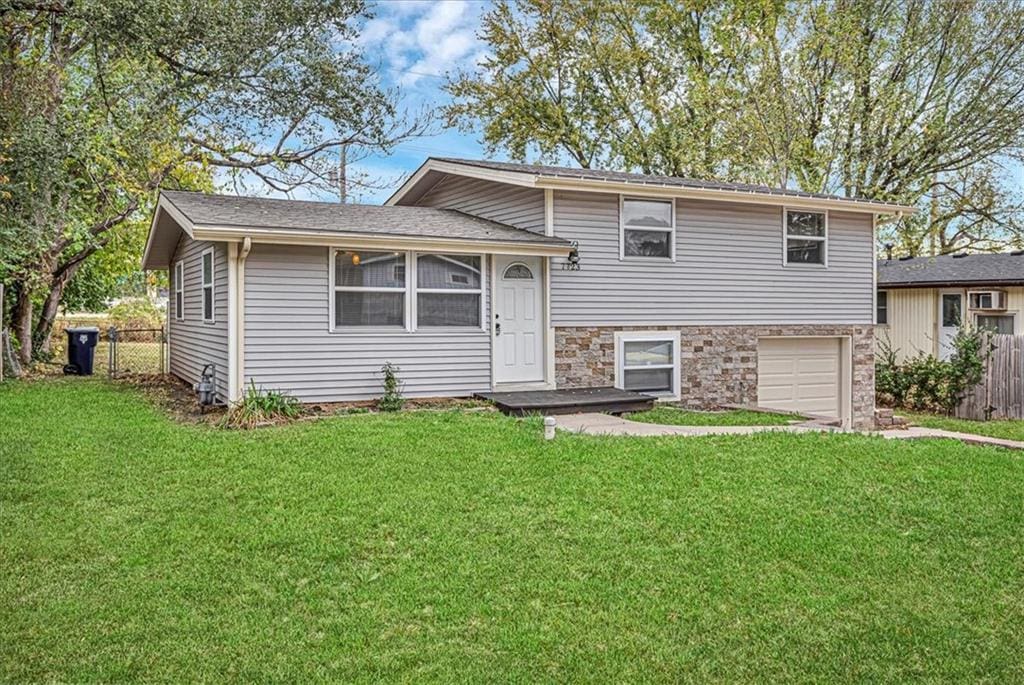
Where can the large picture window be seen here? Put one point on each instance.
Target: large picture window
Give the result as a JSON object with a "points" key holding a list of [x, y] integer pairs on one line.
{"points": [[369, 289], [449, 290], [648, 362], [179, 291], [647, 228], [806, 237], [406, 291], [207, 273]]}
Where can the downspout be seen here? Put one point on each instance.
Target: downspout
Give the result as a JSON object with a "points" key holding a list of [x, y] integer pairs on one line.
{"points": [[239, 370]]}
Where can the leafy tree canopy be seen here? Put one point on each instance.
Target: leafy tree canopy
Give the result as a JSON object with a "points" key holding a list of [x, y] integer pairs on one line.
{"points": [[103, 101], [920, 102]]}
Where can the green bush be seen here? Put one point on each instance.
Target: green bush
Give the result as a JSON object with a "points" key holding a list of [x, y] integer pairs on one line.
{"points": [[261, 406], [392, 399], [925, 383], [136, 313]]}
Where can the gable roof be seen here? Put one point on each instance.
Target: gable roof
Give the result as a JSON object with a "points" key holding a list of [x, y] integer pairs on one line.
{"points": [[228, 217], [1006, 268], [543, 176]]}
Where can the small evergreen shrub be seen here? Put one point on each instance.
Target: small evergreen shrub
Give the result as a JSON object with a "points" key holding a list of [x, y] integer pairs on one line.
{"points": [[392, 399]]}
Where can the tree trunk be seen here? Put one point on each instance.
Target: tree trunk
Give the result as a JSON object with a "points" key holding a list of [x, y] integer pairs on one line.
{"points": [[21, 323], [41, 336]]}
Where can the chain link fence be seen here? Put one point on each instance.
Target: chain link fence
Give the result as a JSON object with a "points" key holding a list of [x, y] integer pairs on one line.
{"points": [[133, 351]]}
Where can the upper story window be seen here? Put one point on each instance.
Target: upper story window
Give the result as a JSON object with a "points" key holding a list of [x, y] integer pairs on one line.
{"points": [[179, 291], [806, 237], [647, 228], [882, 307], [207, 269]]}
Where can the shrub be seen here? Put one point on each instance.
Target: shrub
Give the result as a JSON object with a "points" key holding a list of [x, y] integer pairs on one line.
{"points": [[261, 406], [136, 313], [929, 384], [392, 399]]}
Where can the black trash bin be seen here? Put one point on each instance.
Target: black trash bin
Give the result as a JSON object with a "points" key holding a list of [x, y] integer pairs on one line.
{"points": [[81, 348]]}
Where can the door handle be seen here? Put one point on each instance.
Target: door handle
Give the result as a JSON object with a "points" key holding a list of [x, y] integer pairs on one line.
{"points": [[497, 329]]}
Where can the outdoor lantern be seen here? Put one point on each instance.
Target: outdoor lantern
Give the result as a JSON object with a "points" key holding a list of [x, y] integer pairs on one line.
{"points": [[355, 259]]}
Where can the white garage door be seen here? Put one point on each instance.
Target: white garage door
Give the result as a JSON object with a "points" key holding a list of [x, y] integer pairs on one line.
{"points": [[799, 374]]}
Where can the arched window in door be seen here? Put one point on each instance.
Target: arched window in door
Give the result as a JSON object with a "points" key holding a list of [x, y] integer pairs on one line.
{"points": [[517, 271]]}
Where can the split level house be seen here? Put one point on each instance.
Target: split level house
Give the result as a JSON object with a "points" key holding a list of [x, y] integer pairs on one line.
{"points": [[922, 301], [478, 276]]}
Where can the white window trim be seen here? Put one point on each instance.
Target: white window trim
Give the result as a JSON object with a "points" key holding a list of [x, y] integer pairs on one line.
{"points": [[448, 291], [623, 257], [622, 337], [179, 288], [785, 238], [410, 291], [211, 285]]}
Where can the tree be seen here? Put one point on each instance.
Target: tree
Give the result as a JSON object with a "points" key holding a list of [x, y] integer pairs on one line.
{"points": [[920, 102], [104, 101]]}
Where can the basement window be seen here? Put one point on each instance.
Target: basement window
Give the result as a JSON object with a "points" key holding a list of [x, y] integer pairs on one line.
{"points": [[648, 362]]}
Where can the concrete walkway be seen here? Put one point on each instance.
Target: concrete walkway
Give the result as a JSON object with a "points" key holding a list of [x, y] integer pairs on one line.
{"points": [[606, 424]]}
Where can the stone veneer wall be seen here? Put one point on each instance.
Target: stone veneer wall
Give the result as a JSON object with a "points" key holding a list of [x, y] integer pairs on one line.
{"points": [[718, 364]]}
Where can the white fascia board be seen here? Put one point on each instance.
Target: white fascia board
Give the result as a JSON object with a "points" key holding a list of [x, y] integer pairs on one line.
{"points": [[749, 197], [509, 177], [164, 205], [381, 242]]}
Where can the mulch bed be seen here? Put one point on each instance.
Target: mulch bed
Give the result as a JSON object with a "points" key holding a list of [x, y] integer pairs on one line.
{"points": [[176, 398]]}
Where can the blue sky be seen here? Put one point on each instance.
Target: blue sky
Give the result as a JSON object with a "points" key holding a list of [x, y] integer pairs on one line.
{"points": [[414, 44]]}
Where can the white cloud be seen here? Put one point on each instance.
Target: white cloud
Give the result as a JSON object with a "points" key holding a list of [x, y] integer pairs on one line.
{"points": [[418, 42]]}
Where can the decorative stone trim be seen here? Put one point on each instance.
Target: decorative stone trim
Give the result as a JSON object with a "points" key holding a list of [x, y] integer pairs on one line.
{"points": [[718, 364]]}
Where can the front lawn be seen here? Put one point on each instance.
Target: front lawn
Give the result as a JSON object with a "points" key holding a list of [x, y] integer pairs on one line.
{"points": [[1006, 429], [673, 416], [443, 546]]}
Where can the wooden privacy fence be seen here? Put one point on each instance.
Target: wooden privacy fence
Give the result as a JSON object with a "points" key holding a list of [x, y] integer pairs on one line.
{"points": [[1000, 394]]}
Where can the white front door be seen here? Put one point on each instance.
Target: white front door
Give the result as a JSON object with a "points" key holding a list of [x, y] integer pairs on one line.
{"points": [[951, 307], [518, 320]]}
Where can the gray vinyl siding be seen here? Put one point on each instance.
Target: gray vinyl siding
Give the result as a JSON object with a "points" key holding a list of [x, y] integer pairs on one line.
{"points": [[728, 269], [507, 204], [288, 345], [193, 344]]}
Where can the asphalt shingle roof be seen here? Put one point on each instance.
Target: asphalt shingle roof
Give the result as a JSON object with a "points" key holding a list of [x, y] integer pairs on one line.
{"points": [[992, 269], [301, 215], [646, 179]]}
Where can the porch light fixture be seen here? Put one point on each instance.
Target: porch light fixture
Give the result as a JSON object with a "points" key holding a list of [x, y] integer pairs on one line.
{"points": [[355, 259], [572, 262]]}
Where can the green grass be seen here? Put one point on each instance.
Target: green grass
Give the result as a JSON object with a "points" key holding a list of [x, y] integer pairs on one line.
{"points": [[673, 416], [1006, 429], [439, 546]]}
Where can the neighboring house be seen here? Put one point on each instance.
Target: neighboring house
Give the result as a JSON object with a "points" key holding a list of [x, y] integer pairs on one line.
{"points": [[480, 276], [923, 300]]}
